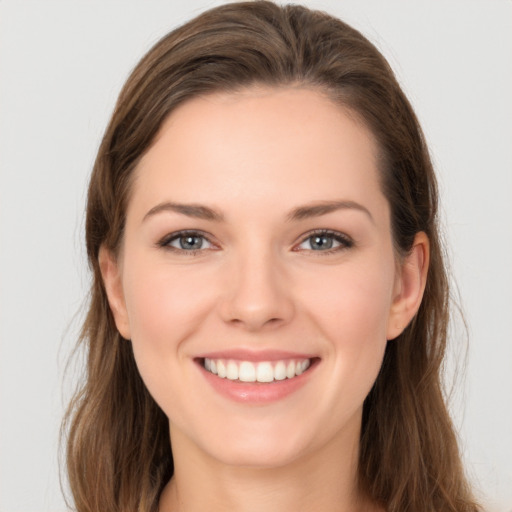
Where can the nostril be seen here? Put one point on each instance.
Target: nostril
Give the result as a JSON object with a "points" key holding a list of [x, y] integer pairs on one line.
{"points": [[254, 307], [255, 324]]}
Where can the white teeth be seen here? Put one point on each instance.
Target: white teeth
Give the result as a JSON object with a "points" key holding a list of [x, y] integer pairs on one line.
{"points": [[302, 367], [290, 370], [221, 369], [247, 372], [280, 371], [232, 371], [265, 371]]}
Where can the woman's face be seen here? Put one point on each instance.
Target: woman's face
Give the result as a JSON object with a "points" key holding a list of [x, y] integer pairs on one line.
{"points": [[257, 279]]}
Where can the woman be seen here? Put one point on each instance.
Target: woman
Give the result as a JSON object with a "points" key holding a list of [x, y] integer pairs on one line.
{"points": [[269, 305]]}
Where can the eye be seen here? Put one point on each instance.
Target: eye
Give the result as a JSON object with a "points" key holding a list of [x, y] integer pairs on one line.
{"points": [[325, 241], [186, 242]]}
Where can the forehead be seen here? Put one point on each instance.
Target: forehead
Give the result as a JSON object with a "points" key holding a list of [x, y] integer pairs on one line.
{"points": [[292, 145]]}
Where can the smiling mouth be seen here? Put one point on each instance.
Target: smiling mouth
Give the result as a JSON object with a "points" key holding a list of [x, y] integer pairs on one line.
{"points": [[262, 371]]}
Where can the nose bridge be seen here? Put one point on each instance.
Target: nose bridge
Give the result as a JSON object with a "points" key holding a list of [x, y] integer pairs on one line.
{"points": [[257, 294]]}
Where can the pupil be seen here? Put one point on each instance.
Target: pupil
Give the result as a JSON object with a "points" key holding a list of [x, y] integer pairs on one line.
{"points": [[191, 242], [321, 242]]}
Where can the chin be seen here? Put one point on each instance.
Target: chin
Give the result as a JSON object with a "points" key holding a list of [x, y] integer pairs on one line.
{"points": [[267, 443], [259, 454]]}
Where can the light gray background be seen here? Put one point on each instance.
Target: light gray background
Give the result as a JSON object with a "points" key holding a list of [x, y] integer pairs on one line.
{"points": [[61, 67]]}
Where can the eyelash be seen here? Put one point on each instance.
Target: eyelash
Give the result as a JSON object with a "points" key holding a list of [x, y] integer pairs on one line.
{"points": [[165, 242], [344, 241]]}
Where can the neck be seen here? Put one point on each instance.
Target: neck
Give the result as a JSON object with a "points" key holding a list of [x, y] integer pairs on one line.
{"points": [[316, 481]]}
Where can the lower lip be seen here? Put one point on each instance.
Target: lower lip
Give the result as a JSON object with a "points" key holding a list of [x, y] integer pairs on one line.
{"points": [[257, 392]]}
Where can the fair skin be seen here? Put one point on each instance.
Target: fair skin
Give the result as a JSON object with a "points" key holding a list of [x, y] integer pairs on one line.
{"points": [[286, 260]]}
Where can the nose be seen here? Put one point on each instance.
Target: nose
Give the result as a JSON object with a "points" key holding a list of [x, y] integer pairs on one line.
{"points": [[257, 294]]}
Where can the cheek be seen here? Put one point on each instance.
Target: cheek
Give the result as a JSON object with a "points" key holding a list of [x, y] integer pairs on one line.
{"points": [[165, 306], [354, 301], [352, 311]]}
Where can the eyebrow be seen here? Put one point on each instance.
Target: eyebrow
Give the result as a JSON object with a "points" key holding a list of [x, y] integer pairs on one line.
{"points": [[325, 207], [199, 211], [196, 211]]}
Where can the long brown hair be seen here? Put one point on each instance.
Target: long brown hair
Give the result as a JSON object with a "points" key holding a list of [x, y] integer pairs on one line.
{"points": [[118, 454]]}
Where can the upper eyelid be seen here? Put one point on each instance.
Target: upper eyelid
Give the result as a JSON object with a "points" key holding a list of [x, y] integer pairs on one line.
{"points": [[329, 232], [166, 239], [345, 241]]}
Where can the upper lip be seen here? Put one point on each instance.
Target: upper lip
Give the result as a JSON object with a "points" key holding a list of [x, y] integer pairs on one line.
{"points": [[255, 355]]}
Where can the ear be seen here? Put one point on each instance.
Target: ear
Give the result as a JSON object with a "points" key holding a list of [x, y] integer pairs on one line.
{"points": [[111, 275], [409, 286]]}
